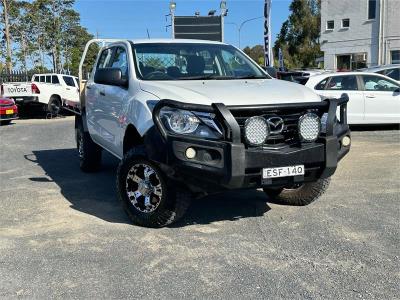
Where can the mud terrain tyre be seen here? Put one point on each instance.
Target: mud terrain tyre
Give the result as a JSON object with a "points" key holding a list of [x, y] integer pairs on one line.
{"points": [[147, 196], [303, 195], [89, 151]]}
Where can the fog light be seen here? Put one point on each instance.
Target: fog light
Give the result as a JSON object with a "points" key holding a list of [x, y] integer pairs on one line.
{"points": [[256, 131], [309, 127], [190, 153], [346, 141]]}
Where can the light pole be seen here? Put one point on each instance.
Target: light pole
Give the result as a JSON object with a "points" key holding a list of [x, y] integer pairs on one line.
{"points": [[224, 13], [172, 8], [240, 27]]}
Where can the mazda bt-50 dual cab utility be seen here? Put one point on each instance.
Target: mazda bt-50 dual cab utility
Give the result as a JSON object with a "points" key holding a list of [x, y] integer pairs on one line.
{"points": [[188, 118]]}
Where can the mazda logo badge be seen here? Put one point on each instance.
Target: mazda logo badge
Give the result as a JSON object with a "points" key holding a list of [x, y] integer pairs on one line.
{"points": [[276, 125]]}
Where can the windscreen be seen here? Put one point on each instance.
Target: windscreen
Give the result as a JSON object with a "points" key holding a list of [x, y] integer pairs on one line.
{"points": [[185, 61]]}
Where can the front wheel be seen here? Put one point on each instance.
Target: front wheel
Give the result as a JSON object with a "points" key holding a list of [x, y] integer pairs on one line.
{"points": [[300, 195], [145, 195]]}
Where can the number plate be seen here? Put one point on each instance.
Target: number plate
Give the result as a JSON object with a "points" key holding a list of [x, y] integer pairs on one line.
{"points": [[9, 112], [283, 172]]}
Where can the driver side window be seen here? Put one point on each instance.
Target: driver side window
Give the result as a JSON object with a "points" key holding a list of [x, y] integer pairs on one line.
{"points": [[120, 61], [378, 84]]}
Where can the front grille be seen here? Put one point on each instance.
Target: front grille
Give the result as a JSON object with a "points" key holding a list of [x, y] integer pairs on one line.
{"points": [[289, 134]]}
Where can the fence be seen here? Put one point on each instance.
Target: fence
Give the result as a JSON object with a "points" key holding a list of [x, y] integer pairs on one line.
{"points": [[16, 76], [20, 76]]}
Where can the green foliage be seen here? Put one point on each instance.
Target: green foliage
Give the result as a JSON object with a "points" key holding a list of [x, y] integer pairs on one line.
{"points": [[43, 31], [256, 53], [299, 35]]}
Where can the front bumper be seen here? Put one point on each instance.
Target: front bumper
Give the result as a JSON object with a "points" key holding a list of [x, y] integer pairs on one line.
{"points": [[230, 164]]}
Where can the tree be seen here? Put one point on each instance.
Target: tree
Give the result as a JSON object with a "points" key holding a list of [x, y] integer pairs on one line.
{"points": [[299, 35], [40, 32], [7, 12], [256, 53]]}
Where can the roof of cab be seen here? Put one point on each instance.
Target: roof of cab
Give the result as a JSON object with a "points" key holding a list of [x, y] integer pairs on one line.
{"points": [[174, 41]]}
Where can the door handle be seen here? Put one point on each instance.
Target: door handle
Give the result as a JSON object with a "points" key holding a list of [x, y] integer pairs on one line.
{"points": [[102, 93], [88, 87], [371, 96], [68, 89]]}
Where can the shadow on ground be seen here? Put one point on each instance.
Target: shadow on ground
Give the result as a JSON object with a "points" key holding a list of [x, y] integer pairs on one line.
{"points": [[95, 193]]}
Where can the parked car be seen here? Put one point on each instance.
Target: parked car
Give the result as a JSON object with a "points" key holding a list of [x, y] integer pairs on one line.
{"points": [[374, 98], [8, 111], [392, 71], [49, 90], [55, 89], [196, 117], [20, 92]]}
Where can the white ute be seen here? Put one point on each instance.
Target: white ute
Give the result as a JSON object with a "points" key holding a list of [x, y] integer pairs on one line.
{"points": [[55, 90], [188, 117]]}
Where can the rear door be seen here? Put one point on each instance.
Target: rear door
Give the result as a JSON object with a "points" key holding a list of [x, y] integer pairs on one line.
{"points": [[382, 100], [335, 86]]}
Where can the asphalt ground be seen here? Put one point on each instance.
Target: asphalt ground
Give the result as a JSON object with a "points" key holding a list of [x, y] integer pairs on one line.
{"points": [[63, 233]]}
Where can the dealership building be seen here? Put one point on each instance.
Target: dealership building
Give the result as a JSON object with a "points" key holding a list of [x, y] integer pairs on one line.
{"points": [[360, 33]]}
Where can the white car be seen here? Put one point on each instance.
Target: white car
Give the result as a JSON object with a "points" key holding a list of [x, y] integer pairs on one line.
{"points": [[374, 98], [53, 90], [392, 71], [188, 116]]}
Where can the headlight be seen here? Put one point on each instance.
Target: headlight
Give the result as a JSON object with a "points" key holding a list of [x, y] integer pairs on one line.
{"points": [[185, 122], [309, 127], [256, 131]]}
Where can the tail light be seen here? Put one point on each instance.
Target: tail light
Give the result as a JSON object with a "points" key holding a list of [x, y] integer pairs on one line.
{"points": [[35, 89]]}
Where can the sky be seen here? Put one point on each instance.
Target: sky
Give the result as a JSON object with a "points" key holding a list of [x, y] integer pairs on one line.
{"points": [[132, 18]]}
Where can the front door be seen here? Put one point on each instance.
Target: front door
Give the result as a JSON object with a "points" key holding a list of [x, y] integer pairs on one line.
{"points": [[338, 85], [382, 100]]}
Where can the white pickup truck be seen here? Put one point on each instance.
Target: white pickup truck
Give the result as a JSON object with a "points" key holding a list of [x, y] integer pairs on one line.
{"points": [[50, 90], [195, 117]]}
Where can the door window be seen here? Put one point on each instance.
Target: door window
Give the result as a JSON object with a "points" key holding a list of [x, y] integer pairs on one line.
{"points": [[55, 79], [105, 59], [378, 84], [343, 83], [69, 81], [120, 61], [321, 86]]}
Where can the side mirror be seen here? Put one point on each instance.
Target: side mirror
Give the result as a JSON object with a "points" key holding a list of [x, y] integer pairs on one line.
{"points": [[110, 76]]}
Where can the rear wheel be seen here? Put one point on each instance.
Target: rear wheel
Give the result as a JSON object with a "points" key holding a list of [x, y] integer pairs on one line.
{"points": [[299, 195], [89, 151], [145, 193], [54, 106]]}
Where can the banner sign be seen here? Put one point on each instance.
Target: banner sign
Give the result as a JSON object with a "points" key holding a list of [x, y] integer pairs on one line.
{"points": [[281, 62], [268, 34]]}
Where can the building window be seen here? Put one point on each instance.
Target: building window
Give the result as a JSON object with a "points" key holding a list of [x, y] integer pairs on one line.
{"points": [[371, 9], [330, 25], [395, 57], [345, 23]]}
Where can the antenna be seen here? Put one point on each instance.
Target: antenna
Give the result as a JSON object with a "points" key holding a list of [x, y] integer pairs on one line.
{"points": [[148, 34]]}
